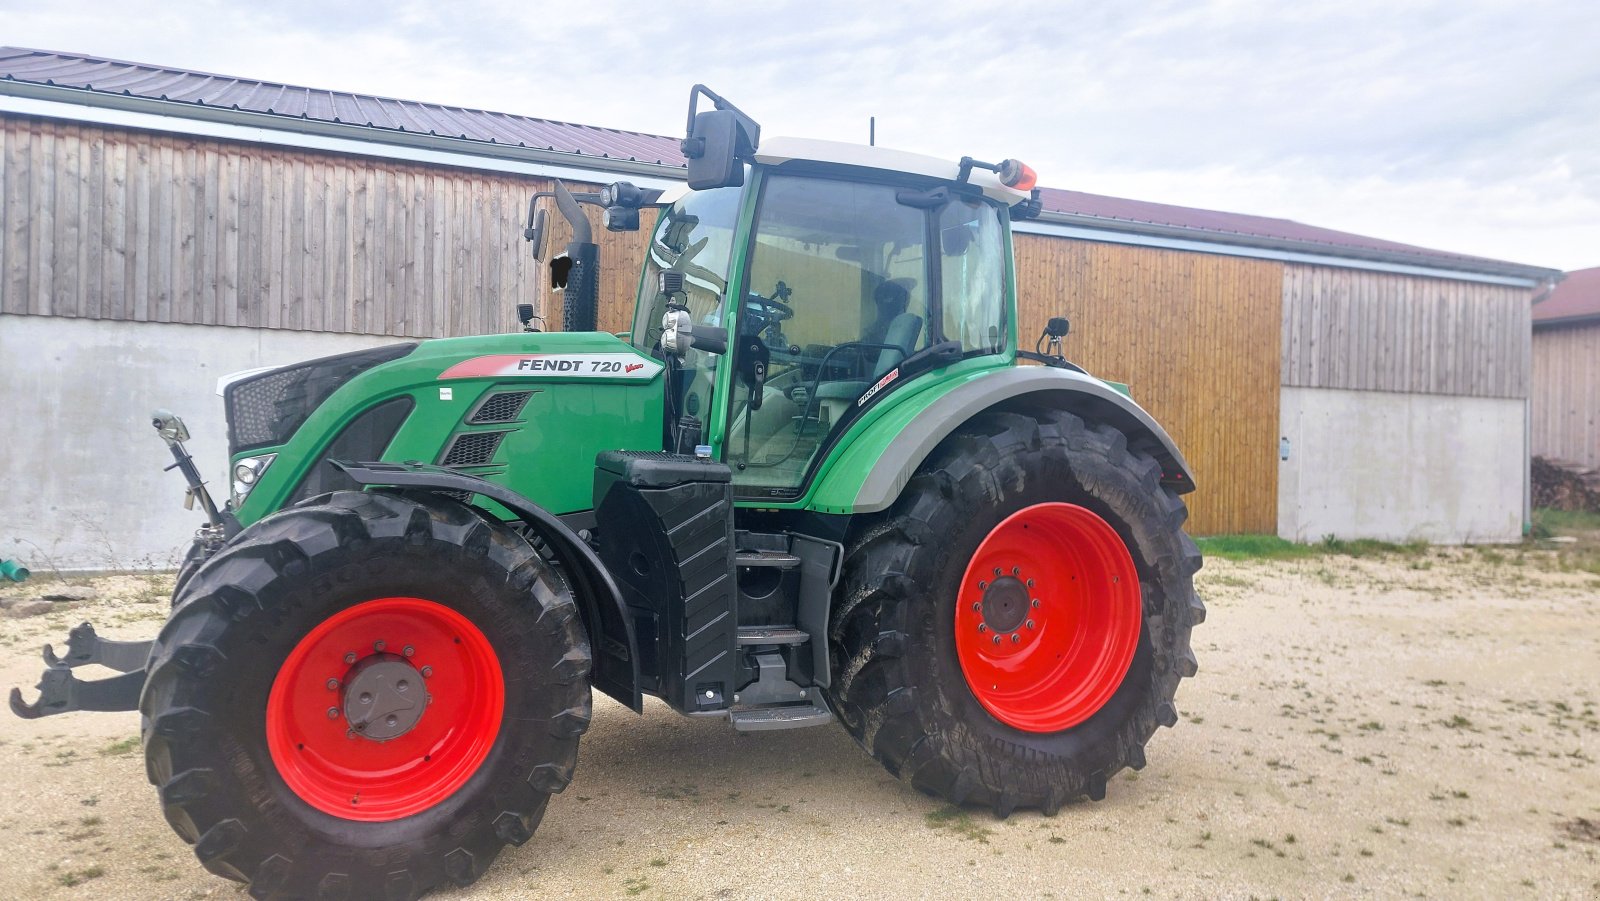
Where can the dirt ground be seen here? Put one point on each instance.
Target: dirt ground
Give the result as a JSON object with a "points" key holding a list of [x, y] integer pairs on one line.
{"points": [[1419, 724]]}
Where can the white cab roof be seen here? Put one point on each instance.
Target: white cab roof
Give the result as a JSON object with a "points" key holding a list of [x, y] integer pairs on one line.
{"points": [[774, 151]]}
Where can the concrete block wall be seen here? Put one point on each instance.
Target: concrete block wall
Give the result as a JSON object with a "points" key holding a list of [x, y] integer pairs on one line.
{"points": [[83, 480], [1401, 467]]}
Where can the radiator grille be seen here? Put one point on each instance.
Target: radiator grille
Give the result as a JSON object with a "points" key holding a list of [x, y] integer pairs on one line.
{"points": [[503, 407], [473, 449]]}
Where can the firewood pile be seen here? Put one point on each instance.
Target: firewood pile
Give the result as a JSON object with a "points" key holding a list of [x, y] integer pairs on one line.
{"points": [[1564, 486]]}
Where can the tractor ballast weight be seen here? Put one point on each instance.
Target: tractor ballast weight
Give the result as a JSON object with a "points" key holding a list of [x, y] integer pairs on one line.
{"points": [[812, 483]]}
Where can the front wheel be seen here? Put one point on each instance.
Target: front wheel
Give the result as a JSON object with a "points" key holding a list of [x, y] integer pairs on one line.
{"points": [[366, 695], [1012, 631]]}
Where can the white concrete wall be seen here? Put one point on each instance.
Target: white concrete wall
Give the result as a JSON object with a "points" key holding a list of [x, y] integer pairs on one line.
{"points": [[81, 481], [1401, 467]]}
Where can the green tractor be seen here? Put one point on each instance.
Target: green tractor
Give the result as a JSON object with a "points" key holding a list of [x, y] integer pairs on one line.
{"points": [[814, 482]]}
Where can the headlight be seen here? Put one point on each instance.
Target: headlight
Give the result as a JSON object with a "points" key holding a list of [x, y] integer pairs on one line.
{"points": [[246, 473]]}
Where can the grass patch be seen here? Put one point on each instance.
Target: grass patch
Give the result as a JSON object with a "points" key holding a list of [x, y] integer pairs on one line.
{"points": [[1547, 522], [956, 822], [1271, 547], [78, 877], [119, 748], [1581, 555]]}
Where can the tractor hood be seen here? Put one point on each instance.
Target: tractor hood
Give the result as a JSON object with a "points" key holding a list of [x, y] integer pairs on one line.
{"points": [[518, 409]]}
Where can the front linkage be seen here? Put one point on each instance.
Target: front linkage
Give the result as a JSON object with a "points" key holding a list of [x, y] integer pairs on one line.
{"points": [[62, 692]]}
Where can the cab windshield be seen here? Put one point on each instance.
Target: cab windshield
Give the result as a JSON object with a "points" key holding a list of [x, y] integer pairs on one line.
{"points": [[693, 236]]}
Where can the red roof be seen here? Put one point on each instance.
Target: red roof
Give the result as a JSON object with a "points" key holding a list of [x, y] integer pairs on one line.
{"points": [[91, 77], [1576, 297], [1242, 224], [106, 76]]}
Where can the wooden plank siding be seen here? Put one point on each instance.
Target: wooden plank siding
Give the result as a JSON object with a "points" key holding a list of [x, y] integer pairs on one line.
{"points": [[1371, 331], [1195, 337], [1566, 393], [103, 223]]}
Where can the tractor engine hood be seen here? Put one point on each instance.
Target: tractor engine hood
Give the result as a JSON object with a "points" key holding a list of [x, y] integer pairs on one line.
{"points": [[517, 409]]}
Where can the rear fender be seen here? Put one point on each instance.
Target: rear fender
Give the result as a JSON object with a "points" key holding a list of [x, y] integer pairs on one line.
{"points": [[611, 636], [892, 449]]}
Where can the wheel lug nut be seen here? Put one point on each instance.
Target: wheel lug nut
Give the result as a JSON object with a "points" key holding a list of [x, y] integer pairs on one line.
{"points": [[1015, 638], [403, 685], [1030, 583], [366, 697], [409, 650], [977, 606], [333, 684], [427, 671], [983, 627], [1030, 625], [997, 639], [378, 646], [350, 657], [1016, 570], [982, 585], [333, 713], [1035, 603], [392, 720]]}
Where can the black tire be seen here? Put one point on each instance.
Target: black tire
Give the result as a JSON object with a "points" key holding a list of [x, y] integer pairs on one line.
{"points": [[193, 559], [898, 686], [213, 665]]}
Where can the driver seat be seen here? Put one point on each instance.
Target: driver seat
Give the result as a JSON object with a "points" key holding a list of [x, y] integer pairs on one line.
{"points": [[902, 333]]}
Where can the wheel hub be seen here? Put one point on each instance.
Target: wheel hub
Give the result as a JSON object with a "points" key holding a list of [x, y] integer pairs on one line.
{"points": [[383, 697], [1005, 604]]}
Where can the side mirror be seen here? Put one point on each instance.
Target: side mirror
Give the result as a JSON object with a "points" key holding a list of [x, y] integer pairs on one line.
{"points": [[712, 149], [719, 142], [534, 233]]}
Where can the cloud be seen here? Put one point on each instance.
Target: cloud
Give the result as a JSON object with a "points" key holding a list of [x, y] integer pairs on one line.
{"points": [[1471, 126]]}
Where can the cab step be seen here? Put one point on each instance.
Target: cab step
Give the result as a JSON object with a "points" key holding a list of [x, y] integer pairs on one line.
{"points": [[789, 716], [769, 559], [751, 635]]}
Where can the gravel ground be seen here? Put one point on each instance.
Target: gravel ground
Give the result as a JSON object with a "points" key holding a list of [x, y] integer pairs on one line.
{"points": [[1419, 725]]}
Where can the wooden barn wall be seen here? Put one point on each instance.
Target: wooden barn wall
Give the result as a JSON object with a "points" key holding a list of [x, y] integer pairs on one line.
{"points": [[1369, 331], [1195, 337], [1566, 393], [113, 224]]}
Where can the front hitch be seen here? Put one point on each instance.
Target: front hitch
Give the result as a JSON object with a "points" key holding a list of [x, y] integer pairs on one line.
{"points": [[62, 692]]}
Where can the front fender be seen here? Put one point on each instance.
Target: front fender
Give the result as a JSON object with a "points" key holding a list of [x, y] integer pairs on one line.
{"points": [[891, 448], [611, 635]]}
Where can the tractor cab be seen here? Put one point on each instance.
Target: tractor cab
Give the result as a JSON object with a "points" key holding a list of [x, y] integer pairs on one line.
{"points": [[837, 274]]}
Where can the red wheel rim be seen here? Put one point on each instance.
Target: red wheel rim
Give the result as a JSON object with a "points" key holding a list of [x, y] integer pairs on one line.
{"points": [[312, 736], [1047, 617]]}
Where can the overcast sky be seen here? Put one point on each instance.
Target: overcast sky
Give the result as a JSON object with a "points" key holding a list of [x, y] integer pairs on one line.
{"points": [[1465, 126]]}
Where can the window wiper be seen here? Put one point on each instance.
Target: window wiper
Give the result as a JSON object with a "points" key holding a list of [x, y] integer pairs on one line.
{"points": [[942, 354]]}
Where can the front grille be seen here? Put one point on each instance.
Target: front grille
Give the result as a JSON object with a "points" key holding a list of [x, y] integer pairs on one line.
{"points": [[267, 409], [503, 407], [473, 449]]}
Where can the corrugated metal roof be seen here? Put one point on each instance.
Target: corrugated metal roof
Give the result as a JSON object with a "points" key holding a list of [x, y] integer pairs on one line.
{"points": [[93, 77], [128, 79], [1576, 297], [1243, 225]]}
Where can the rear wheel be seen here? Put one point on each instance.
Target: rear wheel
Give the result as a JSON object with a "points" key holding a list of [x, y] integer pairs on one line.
{"points": [[367, 695], [1013, 630]]}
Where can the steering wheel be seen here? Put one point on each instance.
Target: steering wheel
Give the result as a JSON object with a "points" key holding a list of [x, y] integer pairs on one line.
{"points": [[767, 308]]}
